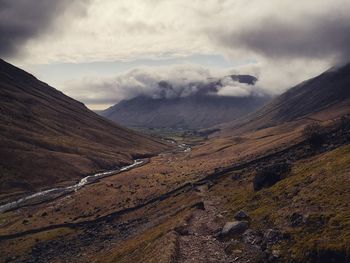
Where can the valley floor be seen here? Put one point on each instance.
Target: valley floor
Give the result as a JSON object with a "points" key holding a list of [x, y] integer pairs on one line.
{"points": [[173, 208]]}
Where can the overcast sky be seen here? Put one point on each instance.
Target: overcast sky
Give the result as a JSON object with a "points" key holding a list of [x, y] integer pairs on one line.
{"points": [[94, 50]]}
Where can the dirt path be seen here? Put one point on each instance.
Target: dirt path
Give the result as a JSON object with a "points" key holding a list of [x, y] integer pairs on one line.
{"points": [[199, 244]]}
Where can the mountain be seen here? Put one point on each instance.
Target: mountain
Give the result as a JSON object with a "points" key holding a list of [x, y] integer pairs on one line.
{"points": [[202, 109], [328, 93], [47, 137]]}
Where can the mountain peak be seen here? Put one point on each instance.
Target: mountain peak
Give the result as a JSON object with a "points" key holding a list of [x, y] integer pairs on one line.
{"points": [[247, 79]]}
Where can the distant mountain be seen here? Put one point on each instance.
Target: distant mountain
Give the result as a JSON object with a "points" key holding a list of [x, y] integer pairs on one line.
{"points": [[329, 91], [202, 109], [47, 138]]}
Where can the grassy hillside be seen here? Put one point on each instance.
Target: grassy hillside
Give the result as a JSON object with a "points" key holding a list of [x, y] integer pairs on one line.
{"points": [[320, 97], [47, 138], [316, 191]]}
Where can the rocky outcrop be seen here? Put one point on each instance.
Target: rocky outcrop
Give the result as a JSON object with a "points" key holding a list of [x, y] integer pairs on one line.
{"points": [[270, 175], [241, 215], [231, 229]]}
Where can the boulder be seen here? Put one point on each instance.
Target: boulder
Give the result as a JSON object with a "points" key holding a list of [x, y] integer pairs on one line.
{"points": [[182, 230], [199, 205], [241, 215], [231, 229]]}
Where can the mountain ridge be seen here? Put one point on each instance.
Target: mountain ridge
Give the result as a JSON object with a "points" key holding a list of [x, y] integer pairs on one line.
{"points": [[202, 109], [312, 96]]}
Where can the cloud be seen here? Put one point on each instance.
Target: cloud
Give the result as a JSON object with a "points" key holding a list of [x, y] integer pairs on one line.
{"points": [[141, 81], [130, 29], [22, 20], [232, 88], [319, 31], [160, 82], [285, 42]]}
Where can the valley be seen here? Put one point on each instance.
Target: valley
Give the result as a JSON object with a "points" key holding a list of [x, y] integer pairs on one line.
{"points": [[174, 131], [128, 215], [270, 187]]}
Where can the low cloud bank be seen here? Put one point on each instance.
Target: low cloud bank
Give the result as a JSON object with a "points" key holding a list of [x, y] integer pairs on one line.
{"points": [[165, 82]]}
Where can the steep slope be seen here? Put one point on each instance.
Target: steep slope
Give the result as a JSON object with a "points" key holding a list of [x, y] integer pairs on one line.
{"points": [[47, 137], [200, 110], [328, 93]]}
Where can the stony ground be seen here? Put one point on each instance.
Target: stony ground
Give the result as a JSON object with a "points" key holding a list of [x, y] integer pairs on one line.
{"points": [[199, 239]]}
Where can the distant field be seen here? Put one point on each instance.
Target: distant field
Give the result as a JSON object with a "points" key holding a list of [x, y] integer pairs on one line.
{"points": [[177, 135]]}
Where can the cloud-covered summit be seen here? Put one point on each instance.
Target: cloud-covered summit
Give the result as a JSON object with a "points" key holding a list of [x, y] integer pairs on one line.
{"points": [[164, 82]]}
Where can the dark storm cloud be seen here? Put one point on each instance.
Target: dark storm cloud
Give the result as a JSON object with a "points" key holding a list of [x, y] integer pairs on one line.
{"points": [[21, 20], [317, 37]]}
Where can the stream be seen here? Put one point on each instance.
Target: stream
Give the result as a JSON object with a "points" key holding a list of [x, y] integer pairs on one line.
{"points": [[53, 193], [50, 194]]}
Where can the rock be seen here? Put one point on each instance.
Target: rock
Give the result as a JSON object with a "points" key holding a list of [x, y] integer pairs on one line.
{"points": [[252, 237], [232, 246], [296, 219], [270, 175], [219, 216], [236, 177], [201, 188], [276, 253], [210, 185], [272, 236], [231, 229], [44, 214], [182, 230], [272, 256], [241, 215], [199, 205]]}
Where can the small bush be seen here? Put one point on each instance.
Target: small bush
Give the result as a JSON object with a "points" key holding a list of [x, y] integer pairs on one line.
{"points": [[271, 174], [313, 134]]}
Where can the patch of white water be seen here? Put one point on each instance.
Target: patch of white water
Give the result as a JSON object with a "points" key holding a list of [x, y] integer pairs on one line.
{"points": [[185, 148]]}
